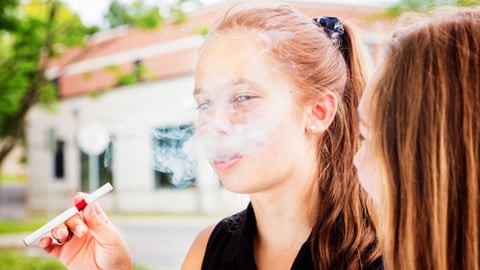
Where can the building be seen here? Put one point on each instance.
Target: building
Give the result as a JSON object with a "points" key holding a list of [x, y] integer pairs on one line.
{"points": [[107, 130]]}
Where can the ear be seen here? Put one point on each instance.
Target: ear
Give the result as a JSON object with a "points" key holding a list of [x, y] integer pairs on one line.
{"points": [[321, 113]]}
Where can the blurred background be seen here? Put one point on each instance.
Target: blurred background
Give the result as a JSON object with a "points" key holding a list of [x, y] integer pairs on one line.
{"points": [[97, 91]]}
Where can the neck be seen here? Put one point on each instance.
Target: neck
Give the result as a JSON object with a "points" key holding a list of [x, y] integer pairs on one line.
{"points": [[284, 222], [291, 213]]}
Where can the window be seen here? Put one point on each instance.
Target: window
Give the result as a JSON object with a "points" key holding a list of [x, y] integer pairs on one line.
{"points": [[174, 161], [59, 160], [96, 170]]}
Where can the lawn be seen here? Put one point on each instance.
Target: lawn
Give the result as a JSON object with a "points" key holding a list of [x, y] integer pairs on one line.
{"points": [[13, 259], [13, 179], [16, 259], [7, 226]]}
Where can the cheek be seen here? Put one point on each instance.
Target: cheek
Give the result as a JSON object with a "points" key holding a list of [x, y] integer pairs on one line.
{"points": [[358, 161], [200, 126], [358, 158], [368, 173]]}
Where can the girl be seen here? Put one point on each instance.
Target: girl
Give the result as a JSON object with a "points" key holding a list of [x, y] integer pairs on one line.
{"points": [[421, 150], [277, 94]]}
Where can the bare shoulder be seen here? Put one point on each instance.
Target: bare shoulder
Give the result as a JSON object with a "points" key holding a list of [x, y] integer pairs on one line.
{"points": [[194, 258]]}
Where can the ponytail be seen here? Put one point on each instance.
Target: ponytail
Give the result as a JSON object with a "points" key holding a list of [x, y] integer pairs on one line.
{"points": [[344, 209], [344, 234]]}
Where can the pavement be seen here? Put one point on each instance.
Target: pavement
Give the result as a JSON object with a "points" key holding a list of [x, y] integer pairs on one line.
{"points": [[156, 242]]}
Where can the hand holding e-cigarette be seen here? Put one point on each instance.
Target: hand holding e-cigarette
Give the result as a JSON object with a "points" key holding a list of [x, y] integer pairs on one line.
{"points": [[88, 240], [68, 213]]}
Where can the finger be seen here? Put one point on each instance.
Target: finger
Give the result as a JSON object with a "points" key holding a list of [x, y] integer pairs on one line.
{"points": [[61, 234], [99, 224], [45, 242], [77, 197], [76, 223], [100, 215]]}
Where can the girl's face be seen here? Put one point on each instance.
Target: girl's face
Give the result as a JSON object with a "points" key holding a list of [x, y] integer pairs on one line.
{"points": [[366, 160], [248, 122]]}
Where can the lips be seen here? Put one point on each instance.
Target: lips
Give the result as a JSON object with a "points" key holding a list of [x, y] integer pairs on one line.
{"points": [[227, 163]]}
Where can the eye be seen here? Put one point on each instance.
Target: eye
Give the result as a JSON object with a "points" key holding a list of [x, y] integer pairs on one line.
{"points": [[204, 105], [243, 98]]}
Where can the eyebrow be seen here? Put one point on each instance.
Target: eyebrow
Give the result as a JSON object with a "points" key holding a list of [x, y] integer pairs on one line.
{"points": [[236, 82], [197, 91]]}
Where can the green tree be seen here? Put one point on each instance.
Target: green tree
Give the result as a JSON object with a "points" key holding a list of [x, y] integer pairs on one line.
{"points": [[8, 21], [41, 31], [7, 14], [33, 33], [140, 14], [421, 5], [135, 14]]}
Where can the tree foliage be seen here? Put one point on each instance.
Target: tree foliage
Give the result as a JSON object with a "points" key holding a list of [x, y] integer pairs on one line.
{"points": [[140, 14], [42, 29], [7, 14], [34, 32], [401, 6], [135, 14]]}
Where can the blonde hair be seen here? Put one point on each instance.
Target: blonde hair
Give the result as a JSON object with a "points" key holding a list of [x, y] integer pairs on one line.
{"points": [[344, 234], [426, 129]]}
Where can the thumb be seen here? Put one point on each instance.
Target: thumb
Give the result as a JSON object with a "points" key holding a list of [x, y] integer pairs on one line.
{"points": [[99, 224]]}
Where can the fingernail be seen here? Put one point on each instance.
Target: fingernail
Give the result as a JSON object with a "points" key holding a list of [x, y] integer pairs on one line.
{"points": [[97, 209], [59, 232], [81, 230], [42, 243]]}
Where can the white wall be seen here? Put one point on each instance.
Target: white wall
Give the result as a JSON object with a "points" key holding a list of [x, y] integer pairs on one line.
{"points": [[130, 114]]}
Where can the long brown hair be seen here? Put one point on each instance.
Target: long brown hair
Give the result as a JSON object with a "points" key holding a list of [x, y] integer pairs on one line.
{"points": [[344, 234], [425, 125]]}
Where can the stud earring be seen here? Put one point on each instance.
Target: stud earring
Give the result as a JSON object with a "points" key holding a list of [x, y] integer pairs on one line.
{"points": [[313, 128]]}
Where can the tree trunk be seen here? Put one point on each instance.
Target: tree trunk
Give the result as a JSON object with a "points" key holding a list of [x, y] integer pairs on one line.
{"points": [[16, 127]]}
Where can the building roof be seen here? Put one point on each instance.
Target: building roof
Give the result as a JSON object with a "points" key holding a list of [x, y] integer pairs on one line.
{"points": [[164, 52]]}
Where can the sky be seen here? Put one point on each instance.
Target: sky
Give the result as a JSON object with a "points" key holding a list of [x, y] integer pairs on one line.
{"points": [[91, 11]]}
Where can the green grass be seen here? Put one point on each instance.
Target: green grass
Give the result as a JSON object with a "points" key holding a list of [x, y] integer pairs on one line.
{"points": [[7, 226], [13, 179], [12, 259]]}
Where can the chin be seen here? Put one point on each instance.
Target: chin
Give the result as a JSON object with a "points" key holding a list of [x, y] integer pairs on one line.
{"points": [[239, 186]]}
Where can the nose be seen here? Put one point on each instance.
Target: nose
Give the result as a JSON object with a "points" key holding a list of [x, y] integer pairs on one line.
{"points": [[356, 157], [218, 120]]}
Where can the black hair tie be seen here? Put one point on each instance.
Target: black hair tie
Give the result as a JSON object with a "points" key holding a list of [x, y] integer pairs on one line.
{"points": [[332, 25]]}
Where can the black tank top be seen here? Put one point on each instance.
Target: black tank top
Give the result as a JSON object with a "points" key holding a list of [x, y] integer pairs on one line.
{"points": [[230, 245]]}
